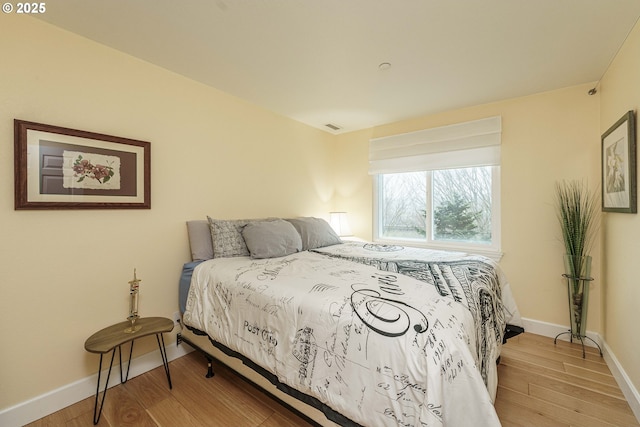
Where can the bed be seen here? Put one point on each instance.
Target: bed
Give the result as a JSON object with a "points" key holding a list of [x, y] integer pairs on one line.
{"points": [[347, 332]]}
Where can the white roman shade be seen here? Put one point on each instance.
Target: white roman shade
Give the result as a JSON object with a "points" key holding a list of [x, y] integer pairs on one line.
{"points": [[475, 143]]}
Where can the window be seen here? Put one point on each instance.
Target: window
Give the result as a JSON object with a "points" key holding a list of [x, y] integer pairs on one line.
{"points": [[450, 208], [440, 187]]}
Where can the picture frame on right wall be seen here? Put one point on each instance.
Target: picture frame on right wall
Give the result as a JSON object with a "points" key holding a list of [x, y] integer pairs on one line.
{"points": [[619, 189]]}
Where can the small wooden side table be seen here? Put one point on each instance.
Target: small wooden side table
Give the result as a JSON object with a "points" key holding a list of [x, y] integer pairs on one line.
{"points": [[111, 338]]}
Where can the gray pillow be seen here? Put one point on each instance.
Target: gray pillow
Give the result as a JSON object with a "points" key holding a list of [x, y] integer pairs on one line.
{"points": [[315, 232], [227, 237], [271, 239], [200, 239]]}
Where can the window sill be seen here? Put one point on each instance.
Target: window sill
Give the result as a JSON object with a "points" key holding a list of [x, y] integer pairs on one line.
{"points": [[494, 254]]}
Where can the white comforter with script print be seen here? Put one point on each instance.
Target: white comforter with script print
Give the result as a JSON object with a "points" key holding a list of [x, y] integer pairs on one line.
{"points": [[368, 340]]}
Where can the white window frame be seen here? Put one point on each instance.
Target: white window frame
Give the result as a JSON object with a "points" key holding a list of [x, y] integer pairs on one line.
{"points": [[492, 250]]}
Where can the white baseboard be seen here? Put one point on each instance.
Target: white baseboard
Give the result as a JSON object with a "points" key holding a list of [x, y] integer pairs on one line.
{"points": [[552, 330], [618, 372], [629, 391], [54, 400]]}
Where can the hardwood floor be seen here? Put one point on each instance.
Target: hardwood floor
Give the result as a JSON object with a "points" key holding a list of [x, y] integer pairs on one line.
{"points": [[539, 385], [146, 401]]}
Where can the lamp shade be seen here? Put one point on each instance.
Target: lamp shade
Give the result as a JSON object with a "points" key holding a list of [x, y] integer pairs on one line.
{"points": [[339, 223]]}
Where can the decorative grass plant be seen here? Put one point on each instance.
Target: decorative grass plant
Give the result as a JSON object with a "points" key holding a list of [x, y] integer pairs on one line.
{"points": [[577, 209]]}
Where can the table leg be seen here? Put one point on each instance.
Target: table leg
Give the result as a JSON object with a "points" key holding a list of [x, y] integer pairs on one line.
{"points": [[165, 361], [126, 378], [97, 413]]}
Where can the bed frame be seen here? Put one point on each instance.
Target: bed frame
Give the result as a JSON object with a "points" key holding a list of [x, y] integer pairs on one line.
{"points": [[260, 378]]}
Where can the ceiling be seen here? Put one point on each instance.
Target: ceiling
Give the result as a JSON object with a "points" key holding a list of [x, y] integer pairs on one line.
{"points": [[319, 61]]}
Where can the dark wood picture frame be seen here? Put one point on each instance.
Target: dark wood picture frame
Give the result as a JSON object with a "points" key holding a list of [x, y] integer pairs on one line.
{"points": [[62, 168], [619, 173]]}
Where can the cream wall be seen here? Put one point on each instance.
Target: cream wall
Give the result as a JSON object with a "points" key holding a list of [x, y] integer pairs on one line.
{"points": [[545, 138], [620, 92], [64, 274]]}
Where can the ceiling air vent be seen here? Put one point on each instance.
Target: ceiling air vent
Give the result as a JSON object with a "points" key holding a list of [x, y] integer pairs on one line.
{"points": [[332, 127]]}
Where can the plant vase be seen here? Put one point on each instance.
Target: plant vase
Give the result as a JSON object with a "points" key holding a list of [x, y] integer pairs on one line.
{"points": [[578, 275]]}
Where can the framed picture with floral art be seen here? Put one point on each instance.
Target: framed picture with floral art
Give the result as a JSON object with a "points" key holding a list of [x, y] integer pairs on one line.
{"points": [[62, 168], [619, 191]]}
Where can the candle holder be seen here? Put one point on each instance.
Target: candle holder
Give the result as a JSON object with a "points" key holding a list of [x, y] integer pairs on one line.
{"points": [[133, 305]]}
